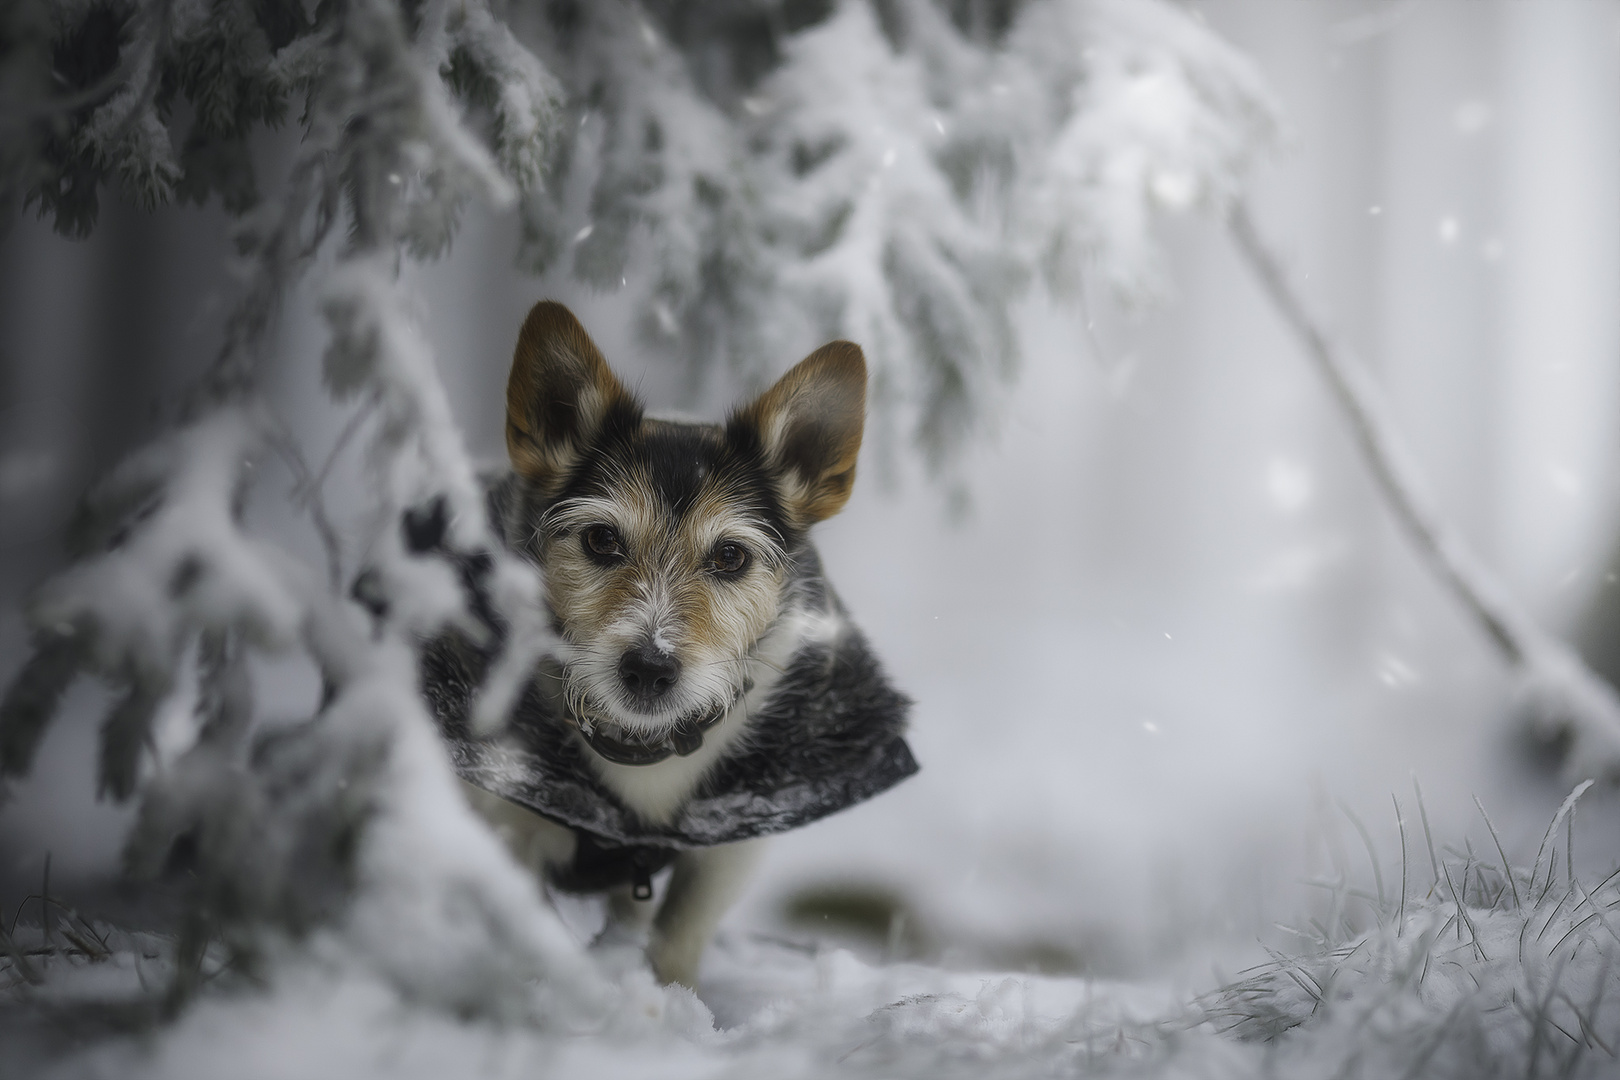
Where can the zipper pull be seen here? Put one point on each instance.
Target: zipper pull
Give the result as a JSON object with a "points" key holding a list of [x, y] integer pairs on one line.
{"points": [[640, 880]]}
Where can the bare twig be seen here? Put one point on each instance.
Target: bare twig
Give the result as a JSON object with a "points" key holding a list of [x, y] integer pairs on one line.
{"points": [[309, 489], [1571, 698], [311, 486], [1358, 398]]}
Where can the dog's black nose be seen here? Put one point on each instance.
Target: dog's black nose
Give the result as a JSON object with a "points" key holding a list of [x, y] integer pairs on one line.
{"points": [[648, 672]]}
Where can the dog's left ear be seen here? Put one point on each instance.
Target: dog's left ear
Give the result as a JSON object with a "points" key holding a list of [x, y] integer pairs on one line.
{"points": [[560, 396], [809, 426]]}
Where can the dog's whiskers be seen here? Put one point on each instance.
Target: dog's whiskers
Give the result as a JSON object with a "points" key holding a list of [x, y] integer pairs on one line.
{"points": [[756, 660]]}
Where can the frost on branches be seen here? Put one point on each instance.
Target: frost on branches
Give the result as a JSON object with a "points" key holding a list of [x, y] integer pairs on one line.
{"points": [[885, 174], [345, 831], [779, 173]]}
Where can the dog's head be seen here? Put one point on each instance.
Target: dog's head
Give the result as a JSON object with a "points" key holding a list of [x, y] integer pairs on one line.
{"points": [[665, 546]]}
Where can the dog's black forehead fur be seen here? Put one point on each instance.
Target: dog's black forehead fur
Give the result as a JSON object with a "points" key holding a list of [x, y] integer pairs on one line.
{"points": [[679, 458]]}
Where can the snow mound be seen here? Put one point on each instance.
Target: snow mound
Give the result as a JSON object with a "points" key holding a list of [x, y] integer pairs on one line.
{"points": [[1490, 969]]}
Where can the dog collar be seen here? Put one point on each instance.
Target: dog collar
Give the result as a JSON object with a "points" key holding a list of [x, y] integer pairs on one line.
{"points": [[620, 745]]}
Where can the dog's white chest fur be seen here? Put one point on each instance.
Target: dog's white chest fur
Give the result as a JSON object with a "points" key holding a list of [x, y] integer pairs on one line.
{"points": [[657, 792]]}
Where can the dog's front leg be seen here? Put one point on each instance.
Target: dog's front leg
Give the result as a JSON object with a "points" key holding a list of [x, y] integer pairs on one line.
{"points": [[705, 883], [629, 921]]}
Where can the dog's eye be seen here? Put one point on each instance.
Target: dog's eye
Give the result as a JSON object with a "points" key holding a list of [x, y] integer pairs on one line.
{"points": [[603, 542], [728, 557]]}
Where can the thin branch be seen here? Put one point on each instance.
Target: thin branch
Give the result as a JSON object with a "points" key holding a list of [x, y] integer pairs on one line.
{"points": [[309, 488], [1561, 692], [1382, 448]]}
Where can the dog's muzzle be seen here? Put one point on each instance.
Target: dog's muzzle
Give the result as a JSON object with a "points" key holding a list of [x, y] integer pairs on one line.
{"points": [[622, 746]]}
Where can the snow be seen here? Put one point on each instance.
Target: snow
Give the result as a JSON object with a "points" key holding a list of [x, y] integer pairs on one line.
{"points": [[382, 929], [1164, 117], [781, 1011], [1484, 987], [894, 181]]}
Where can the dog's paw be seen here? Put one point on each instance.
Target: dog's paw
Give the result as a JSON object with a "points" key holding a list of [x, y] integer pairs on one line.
{"points": [[675, 961]]}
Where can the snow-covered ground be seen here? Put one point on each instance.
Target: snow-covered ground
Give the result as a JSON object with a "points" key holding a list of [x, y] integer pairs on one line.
{"points": [[1461, 968]]}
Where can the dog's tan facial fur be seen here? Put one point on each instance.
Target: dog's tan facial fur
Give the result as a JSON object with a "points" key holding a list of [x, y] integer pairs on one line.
{"points": [[663, 589], [670, 505]]}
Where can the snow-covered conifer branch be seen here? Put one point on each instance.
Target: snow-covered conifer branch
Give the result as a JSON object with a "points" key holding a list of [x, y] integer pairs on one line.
{"points": [[1153, 113], [347, 827], [891, 172], [1559, 696], [895, 175]]}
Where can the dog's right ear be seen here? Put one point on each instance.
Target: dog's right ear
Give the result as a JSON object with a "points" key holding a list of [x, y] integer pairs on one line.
{"points": [[809, 426], [559, 396]]}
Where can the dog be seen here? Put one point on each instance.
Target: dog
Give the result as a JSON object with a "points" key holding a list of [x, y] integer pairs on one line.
{"points": [[710, 689]]}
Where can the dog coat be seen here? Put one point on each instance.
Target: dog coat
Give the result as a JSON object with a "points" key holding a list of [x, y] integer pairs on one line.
{"points": [[829, 735]]}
